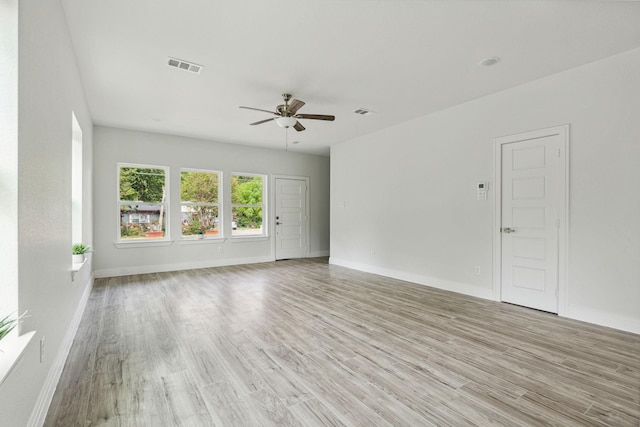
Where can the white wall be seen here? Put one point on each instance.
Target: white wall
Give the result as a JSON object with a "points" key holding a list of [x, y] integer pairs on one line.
{"points": [[403, 200], [49, 90], [117, 145]]}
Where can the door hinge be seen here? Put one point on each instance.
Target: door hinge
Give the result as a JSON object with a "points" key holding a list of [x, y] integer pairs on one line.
{"points": [[559, 153]]}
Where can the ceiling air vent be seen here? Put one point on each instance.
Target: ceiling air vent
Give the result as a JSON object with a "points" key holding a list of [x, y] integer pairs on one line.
{"points": [[364, 112], [184, 65]]}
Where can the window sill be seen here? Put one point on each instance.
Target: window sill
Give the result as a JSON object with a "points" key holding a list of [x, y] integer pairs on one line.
{"points": [[242, 239], [76, 267], [11, 350], [203, 240], [142, 243]]}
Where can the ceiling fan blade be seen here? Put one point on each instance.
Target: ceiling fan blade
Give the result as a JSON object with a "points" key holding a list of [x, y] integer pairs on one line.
{"points": [[262, 121], [295, 105], [298, 126], [259, 109], [315, 117]]}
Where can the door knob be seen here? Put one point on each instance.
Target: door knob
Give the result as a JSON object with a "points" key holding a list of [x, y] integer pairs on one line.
{"points": [[277, 223], [508, 230]]}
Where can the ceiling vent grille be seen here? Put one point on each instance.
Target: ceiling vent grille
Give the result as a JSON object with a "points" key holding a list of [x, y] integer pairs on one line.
{"points": [[184, 65], [364, 112]]}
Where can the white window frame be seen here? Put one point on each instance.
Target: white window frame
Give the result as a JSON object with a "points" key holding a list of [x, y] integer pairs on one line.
{"points": [[15, 344], [77, 166], [263, 206], [119, 203], [221, 223]]}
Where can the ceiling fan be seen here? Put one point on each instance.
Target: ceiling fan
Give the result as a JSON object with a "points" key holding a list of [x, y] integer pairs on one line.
{"points": [[287, 114]]}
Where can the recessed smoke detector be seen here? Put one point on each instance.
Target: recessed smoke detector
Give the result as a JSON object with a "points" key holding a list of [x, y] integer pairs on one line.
{"points": [[184, 65], [364, 112], [488, 62]]}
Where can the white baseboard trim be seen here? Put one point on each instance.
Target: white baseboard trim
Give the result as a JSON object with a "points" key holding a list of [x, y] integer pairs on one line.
{"points": [[458, 287], [318, 254], [51, 382], [604, 318], [162, 268]]}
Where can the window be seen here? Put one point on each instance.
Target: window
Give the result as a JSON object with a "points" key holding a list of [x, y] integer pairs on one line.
{"points": [[199, 203], [142, 201], [76, 180], [9, 157], [247, 205]]}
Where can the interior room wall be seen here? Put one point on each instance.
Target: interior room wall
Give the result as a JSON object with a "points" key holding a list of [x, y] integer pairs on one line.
{"points": [[113, 146], [403, 200], [49, 89]]}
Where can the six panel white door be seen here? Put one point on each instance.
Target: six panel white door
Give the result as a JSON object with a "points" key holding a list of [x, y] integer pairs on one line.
{"points": [[530, 208], [291, 218]]}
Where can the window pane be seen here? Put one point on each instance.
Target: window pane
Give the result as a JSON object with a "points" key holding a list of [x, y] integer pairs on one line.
{"points": [[198, 187], [200, 220], [246, 190], [142, 184], [142, 221], [76, 180], [246, 221]]}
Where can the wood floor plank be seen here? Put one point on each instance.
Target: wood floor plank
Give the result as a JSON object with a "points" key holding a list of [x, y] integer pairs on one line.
{"points": [[520, 411], [273, 411], [305, 343], [312, 413], [185, 405], [612, 417], [385, 405], [328, 389], [70, 405], [423, 396], [288, 389], [226, 407]]}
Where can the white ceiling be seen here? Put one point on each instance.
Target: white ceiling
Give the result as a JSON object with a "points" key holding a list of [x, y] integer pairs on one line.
{"points": [[400, 58]]}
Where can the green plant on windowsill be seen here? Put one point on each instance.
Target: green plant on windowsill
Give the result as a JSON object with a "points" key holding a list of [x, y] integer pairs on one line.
{"points": [[8, 324], [79, 250]]}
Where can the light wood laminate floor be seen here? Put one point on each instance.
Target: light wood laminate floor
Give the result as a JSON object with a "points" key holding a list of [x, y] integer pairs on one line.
{"points": [[304, 343]]}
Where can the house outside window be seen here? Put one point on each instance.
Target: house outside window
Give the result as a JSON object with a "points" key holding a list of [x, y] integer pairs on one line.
{"points": [[248, 204], [142, 201], [200, 203]]}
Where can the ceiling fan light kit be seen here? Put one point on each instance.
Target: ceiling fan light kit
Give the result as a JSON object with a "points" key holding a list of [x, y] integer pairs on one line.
{"points": [[286, 122], [287, 114]]}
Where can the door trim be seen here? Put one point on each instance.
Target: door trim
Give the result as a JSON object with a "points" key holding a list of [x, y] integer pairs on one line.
{"points": [[272, 224], [563, 211]]}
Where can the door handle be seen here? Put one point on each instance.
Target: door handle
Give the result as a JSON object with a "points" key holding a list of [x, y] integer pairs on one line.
{"points": [[277, 223], [507, 230]]}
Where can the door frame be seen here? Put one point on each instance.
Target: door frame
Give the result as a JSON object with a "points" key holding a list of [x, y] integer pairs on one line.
{"points": [[272, 223], [563, 211]]}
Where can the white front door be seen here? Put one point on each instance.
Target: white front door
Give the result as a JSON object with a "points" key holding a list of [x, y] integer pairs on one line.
{"points": [[291, 218], [532, 192]]}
